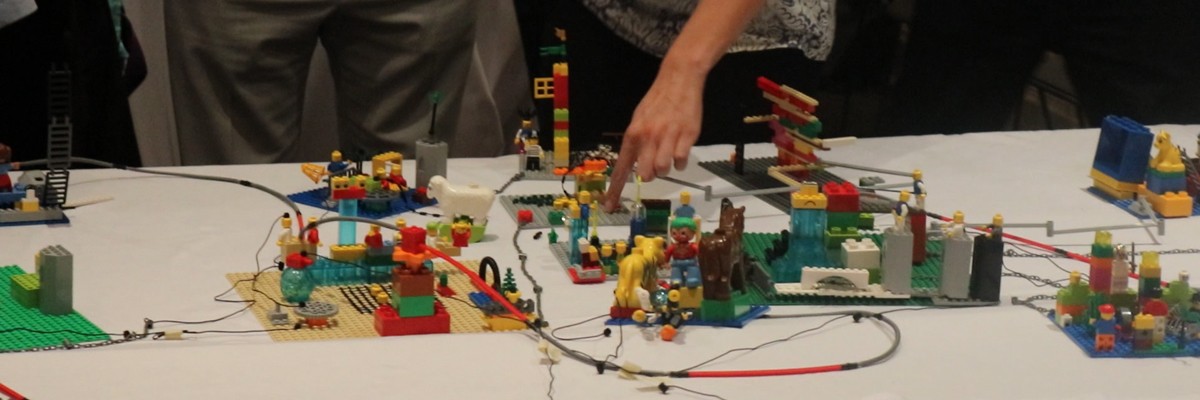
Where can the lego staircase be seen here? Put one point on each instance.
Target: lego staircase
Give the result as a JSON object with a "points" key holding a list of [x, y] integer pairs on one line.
{"points": [[59, 138]]}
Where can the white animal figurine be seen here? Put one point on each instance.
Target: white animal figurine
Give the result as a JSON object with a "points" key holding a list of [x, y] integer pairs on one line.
{"points": [[472, 201]]}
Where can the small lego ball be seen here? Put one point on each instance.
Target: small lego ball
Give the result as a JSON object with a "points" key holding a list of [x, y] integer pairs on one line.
{"points": [[524, 216]]}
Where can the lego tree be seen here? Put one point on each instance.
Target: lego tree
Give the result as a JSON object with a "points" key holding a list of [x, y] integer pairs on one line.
{"points": [[510, 284]]}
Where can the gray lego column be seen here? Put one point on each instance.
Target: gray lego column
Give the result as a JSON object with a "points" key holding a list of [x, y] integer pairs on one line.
{"points": [[56, 276], [431, 160], [897, 261], [956, 266]]}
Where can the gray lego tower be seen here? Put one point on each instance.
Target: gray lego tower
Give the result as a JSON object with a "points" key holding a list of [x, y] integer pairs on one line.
{"points": [[897, 261], [56, 276], [956, 266]]}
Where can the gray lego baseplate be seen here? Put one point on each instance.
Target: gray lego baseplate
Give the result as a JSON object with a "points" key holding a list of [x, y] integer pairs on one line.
{"points": [[755, 177], [540, 213]]}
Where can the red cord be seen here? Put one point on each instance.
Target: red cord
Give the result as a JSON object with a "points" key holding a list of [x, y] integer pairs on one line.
{"points": [[765, 372], [479, 283]]}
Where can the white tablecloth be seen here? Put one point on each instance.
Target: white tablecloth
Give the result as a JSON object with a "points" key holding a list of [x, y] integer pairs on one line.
{"points": [[162, 247]]}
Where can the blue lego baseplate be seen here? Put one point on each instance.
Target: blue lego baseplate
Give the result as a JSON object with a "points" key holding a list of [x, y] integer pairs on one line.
{"points": [[1079, 334], [740, 322], [316, 198], [63, 220], [1125, 204]]}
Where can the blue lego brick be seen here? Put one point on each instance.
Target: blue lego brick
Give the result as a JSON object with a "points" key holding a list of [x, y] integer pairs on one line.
{"points": [[1161, 184], [17, 316], [1125, 204], [741, 322], [316, 198], [1124, 348], [480, 299], [1123, 150]]}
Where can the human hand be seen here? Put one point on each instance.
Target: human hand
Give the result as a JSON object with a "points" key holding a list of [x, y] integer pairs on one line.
{"points": [[662, 131]]}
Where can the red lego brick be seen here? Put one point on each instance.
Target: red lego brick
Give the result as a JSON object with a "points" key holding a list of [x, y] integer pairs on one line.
{"points": [[408, 284], [412, 239], [561, 91], [389, 323], [352, 192], [562, 125], [770, 87], [576, 279], [621, 312], [524, 216], [841, 197], [445, 291], [916, 223]]}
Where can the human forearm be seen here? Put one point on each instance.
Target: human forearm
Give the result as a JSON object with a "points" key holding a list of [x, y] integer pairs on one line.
{"points": [[712, 28]]}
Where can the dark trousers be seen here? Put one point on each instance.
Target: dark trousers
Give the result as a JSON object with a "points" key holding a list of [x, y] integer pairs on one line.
{"points": [[78, 34], [968, 61], [609, 76]]}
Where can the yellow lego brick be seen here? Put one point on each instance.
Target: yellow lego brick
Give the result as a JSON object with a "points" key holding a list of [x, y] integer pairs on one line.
{"points": [[1113, 187], [448, 248], [1170, 204], [1143, 322], [809, 198], [27, 205], [348, 253], [562, 151], [560, 69], [690, 297], [500, 323]]}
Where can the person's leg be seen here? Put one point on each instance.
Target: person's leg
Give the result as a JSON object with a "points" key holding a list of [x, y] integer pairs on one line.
{"points": [[732, 93], [966, 65], [608, 77], [1136, 59], [387, 57], [238, 70]]}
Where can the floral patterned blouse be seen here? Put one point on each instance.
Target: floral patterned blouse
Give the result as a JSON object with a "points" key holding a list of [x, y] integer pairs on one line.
{"points": [[652, 25]]}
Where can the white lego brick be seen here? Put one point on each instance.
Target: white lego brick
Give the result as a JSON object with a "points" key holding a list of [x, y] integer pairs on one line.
{"points": [[810, 277], [860, 254]]}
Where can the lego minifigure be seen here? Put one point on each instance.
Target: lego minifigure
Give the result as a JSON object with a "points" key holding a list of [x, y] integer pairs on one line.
{"points": [[669, 315], [919, 188], [312, 238], [396, 178], [533, 155], [374, 239], [1106, 328], [336, 164], [6, 165], [682, 253], [526, 133], [685, 209], [900, 212], [460, 233], [400, 225], [1143, 332]]}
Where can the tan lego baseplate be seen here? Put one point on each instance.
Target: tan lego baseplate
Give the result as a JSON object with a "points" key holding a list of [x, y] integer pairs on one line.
{"points": [[349, 322]]}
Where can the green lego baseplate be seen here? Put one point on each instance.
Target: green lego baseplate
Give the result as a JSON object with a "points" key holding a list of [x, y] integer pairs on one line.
{"points": [[16, 316], [925, 277]]}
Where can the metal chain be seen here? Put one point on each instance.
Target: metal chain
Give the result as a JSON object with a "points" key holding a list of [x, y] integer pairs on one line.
{"points": [[1035, 278], [1015, 254], [516, 177], [67, 345], [1028, 302]]}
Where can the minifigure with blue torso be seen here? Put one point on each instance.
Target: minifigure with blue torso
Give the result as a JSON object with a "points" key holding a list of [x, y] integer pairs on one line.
{"points": [[685, 209], [1106, 328], [685, 269], [919, 188], [525, 134], [336, 164]]}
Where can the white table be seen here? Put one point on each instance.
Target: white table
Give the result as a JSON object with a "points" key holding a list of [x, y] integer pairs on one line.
{"points": [[162, 247]]}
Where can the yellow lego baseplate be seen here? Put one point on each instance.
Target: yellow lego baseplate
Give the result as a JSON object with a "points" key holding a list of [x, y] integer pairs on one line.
{"points": [[349, 322]]}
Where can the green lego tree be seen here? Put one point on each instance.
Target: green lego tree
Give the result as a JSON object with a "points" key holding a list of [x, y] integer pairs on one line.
{"points": [[510, 284]]}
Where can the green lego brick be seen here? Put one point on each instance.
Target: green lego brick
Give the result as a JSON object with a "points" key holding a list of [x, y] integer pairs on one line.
{"points": [[835, 236], [841, 220], [562, 114], [414, 306], [17, 316], [866, 221], [724, 310], [25, 289], [1164, 175]]}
